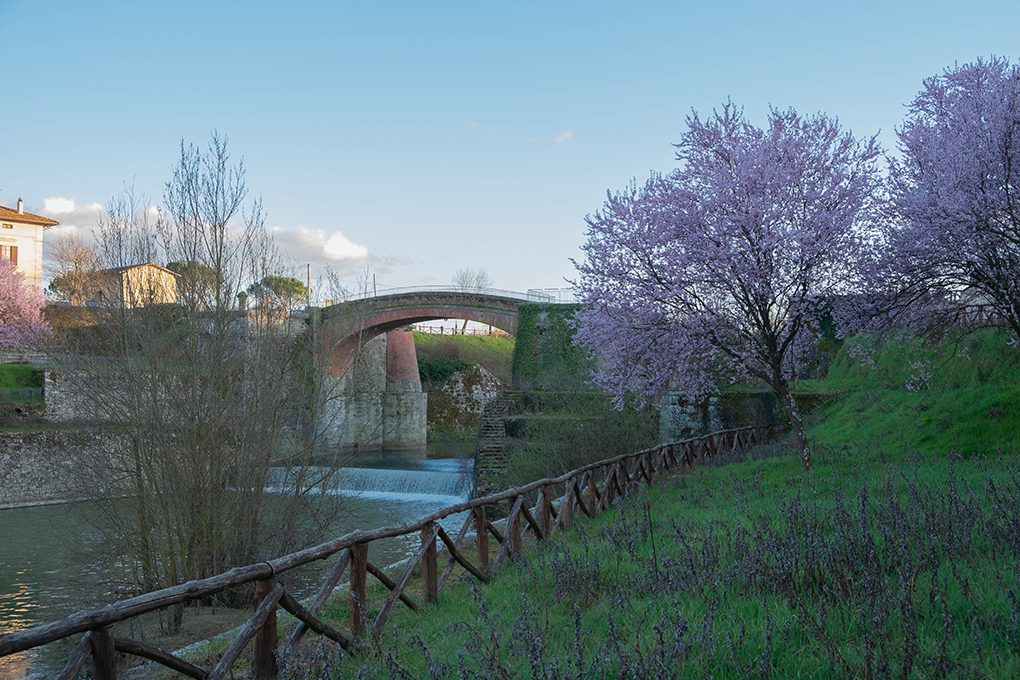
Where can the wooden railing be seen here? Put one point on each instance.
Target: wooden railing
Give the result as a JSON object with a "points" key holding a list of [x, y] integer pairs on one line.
{"points": [[459, 329], [539, 509]]}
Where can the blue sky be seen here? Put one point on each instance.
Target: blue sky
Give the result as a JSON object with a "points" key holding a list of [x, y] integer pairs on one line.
{"points": [[440, 135]]}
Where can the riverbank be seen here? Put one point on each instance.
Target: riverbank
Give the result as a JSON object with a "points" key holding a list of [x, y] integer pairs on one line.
{"points": [[53, 561]]}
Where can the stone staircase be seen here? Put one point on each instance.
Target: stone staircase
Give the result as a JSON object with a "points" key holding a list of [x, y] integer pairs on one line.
{"points": [[490, 451]]}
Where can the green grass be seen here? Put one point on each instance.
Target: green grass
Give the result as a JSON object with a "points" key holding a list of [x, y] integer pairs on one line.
{"points": [[494, 354], [898, 555], [19, 375], [970, 403], [595, 589]]}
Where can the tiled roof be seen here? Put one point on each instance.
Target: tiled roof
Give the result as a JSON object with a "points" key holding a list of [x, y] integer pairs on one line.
{"points": [[28, 218]]}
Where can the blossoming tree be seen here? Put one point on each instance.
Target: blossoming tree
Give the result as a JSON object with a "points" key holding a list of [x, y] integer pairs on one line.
{"points": [[954, 229], [718, 271], [21, 321]]}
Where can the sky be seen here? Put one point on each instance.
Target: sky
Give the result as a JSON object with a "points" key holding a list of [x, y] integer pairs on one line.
{"points": [[412, 139]]}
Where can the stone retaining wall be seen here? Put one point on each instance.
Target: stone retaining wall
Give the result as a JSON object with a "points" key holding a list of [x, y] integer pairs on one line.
{"points": [[54, 466]]}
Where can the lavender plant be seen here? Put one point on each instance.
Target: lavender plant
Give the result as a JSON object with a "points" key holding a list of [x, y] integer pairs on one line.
{"points": [[903, 574]]}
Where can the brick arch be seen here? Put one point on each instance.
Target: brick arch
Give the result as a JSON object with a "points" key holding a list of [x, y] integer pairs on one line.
{"points": [[346, 326]]}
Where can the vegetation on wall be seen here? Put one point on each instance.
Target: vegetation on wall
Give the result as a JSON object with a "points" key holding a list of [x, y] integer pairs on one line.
{"points": [[545, 356], [561, 420], [437, 370]]}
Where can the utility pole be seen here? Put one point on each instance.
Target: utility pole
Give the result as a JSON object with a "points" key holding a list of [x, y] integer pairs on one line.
{"points": [[308, 285]]}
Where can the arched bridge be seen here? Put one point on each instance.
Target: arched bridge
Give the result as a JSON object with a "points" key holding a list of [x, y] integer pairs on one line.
{"points": [[348, 325]]}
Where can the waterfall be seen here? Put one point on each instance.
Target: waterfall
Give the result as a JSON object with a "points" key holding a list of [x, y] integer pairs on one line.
{"points": [[444, 484]]}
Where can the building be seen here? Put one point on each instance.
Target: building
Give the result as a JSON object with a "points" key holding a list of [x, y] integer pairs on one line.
{"points": [[136, 285], [21, 241]]}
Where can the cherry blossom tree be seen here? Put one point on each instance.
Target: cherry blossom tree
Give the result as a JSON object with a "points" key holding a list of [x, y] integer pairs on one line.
{"points": [[953, 236], [21, 321], [719, 270]]}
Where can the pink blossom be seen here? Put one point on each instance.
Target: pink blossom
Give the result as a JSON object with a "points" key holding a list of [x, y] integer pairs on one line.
{"points": [[21, 321]]}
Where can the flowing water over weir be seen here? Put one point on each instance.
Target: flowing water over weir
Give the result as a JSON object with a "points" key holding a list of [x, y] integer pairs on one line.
{"points": [[46, 571], [435, 481]]}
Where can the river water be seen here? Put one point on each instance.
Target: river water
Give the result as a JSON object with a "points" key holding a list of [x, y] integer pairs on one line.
{"points": [[48, 569]]}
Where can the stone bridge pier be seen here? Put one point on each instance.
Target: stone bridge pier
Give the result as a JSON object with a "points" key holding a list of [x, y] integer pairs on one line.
{"points": [[378, 403]]}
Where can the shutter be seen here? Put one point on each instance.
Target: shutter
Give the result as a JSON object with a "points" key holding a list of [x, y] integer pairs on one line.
{"points": [[14, 255]]}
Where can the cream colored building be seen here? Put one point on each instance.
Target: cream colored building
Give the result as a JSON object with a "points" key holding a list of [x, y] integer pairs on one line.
{"points": [[21, 241], [136, 285]]}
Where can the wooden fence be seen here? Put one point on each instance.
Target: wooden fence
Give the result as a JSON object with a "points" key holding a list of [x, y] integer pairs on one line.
{"points": [[460, 330], [538, 509]]}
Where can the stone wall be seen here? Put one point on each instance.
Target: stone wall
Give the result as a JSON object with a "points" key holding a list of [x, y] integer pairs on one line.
{"points": [[680, 419], [65, 402], [456, 404], [52, 466]]}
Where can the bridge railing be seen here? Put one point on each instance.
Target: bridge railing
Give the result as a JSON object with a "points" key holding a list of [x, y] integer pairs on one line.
{"points": [[531, 296], [539, 510]]}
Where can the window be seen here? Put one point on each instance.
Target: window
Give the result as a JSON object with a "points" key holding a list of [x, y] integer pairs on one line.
{"points": [[7, 226], [9, 253]]}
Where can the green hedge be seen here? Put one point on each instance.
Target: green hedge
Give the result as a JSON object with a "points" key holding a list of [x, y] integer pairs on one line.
{"points": [[19, 375]]}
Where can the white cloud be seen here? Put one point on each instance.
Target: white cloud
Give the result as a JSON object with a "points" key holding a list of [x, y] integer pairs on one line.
{"points": [[58, 205], [304, 244], [74, 218], [484, 129], [339, 247], [563, 137]]}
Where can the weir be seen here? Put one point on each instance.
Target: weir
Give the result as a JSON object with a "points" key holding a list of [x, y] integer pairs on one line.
{"points": [[446, 481]]}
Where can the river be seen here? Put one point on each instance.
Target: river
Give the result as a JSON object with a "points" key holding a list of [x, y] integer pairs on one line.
{"points": [[46, 571]]}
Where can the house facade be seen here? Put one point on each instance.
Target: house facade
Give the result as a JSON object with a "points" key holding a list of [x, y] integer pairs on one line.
{"points": [[21, 241], [136, 285]]}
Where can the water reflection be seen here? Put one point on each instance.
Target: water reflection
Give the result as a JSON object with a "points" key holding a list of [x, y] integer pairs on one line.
{"points": [[49, 568]]}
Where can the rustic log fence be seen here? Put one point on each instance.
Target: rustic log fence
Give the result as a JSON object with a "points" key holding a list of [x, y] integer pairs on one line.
{"points": [[540, 508]]}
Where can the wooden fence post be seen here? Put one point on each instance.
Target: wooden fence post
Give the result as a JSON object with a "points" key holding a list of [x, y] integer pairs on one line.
{"points": [[567, 509], [545, 510], [608, 492], [264, 661], [513, 528], [482, 539], [429, 568], [359, 576], [593, 493], [104, 656]]}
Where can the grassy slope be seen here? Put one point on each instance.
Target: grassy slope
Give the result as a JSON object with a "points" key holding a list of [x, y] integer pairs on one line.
{"points": [[759, 575], [492, 353], [972, 401]]}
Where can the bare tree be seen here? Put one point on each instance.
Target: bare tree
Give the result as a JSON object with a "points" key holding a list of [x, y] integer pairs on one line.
{"points": [[471, 281], [74, 269], [210, 400]]}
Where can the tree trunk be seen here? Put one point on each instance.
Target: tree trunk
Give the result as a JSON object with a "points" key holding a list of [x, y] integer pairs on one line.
{"points": [[788, 404]]}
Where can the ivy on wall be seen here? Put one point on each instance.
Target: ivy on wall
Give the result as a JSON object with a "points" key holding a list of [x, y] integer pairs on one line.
{"points": [[545, 356]]}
